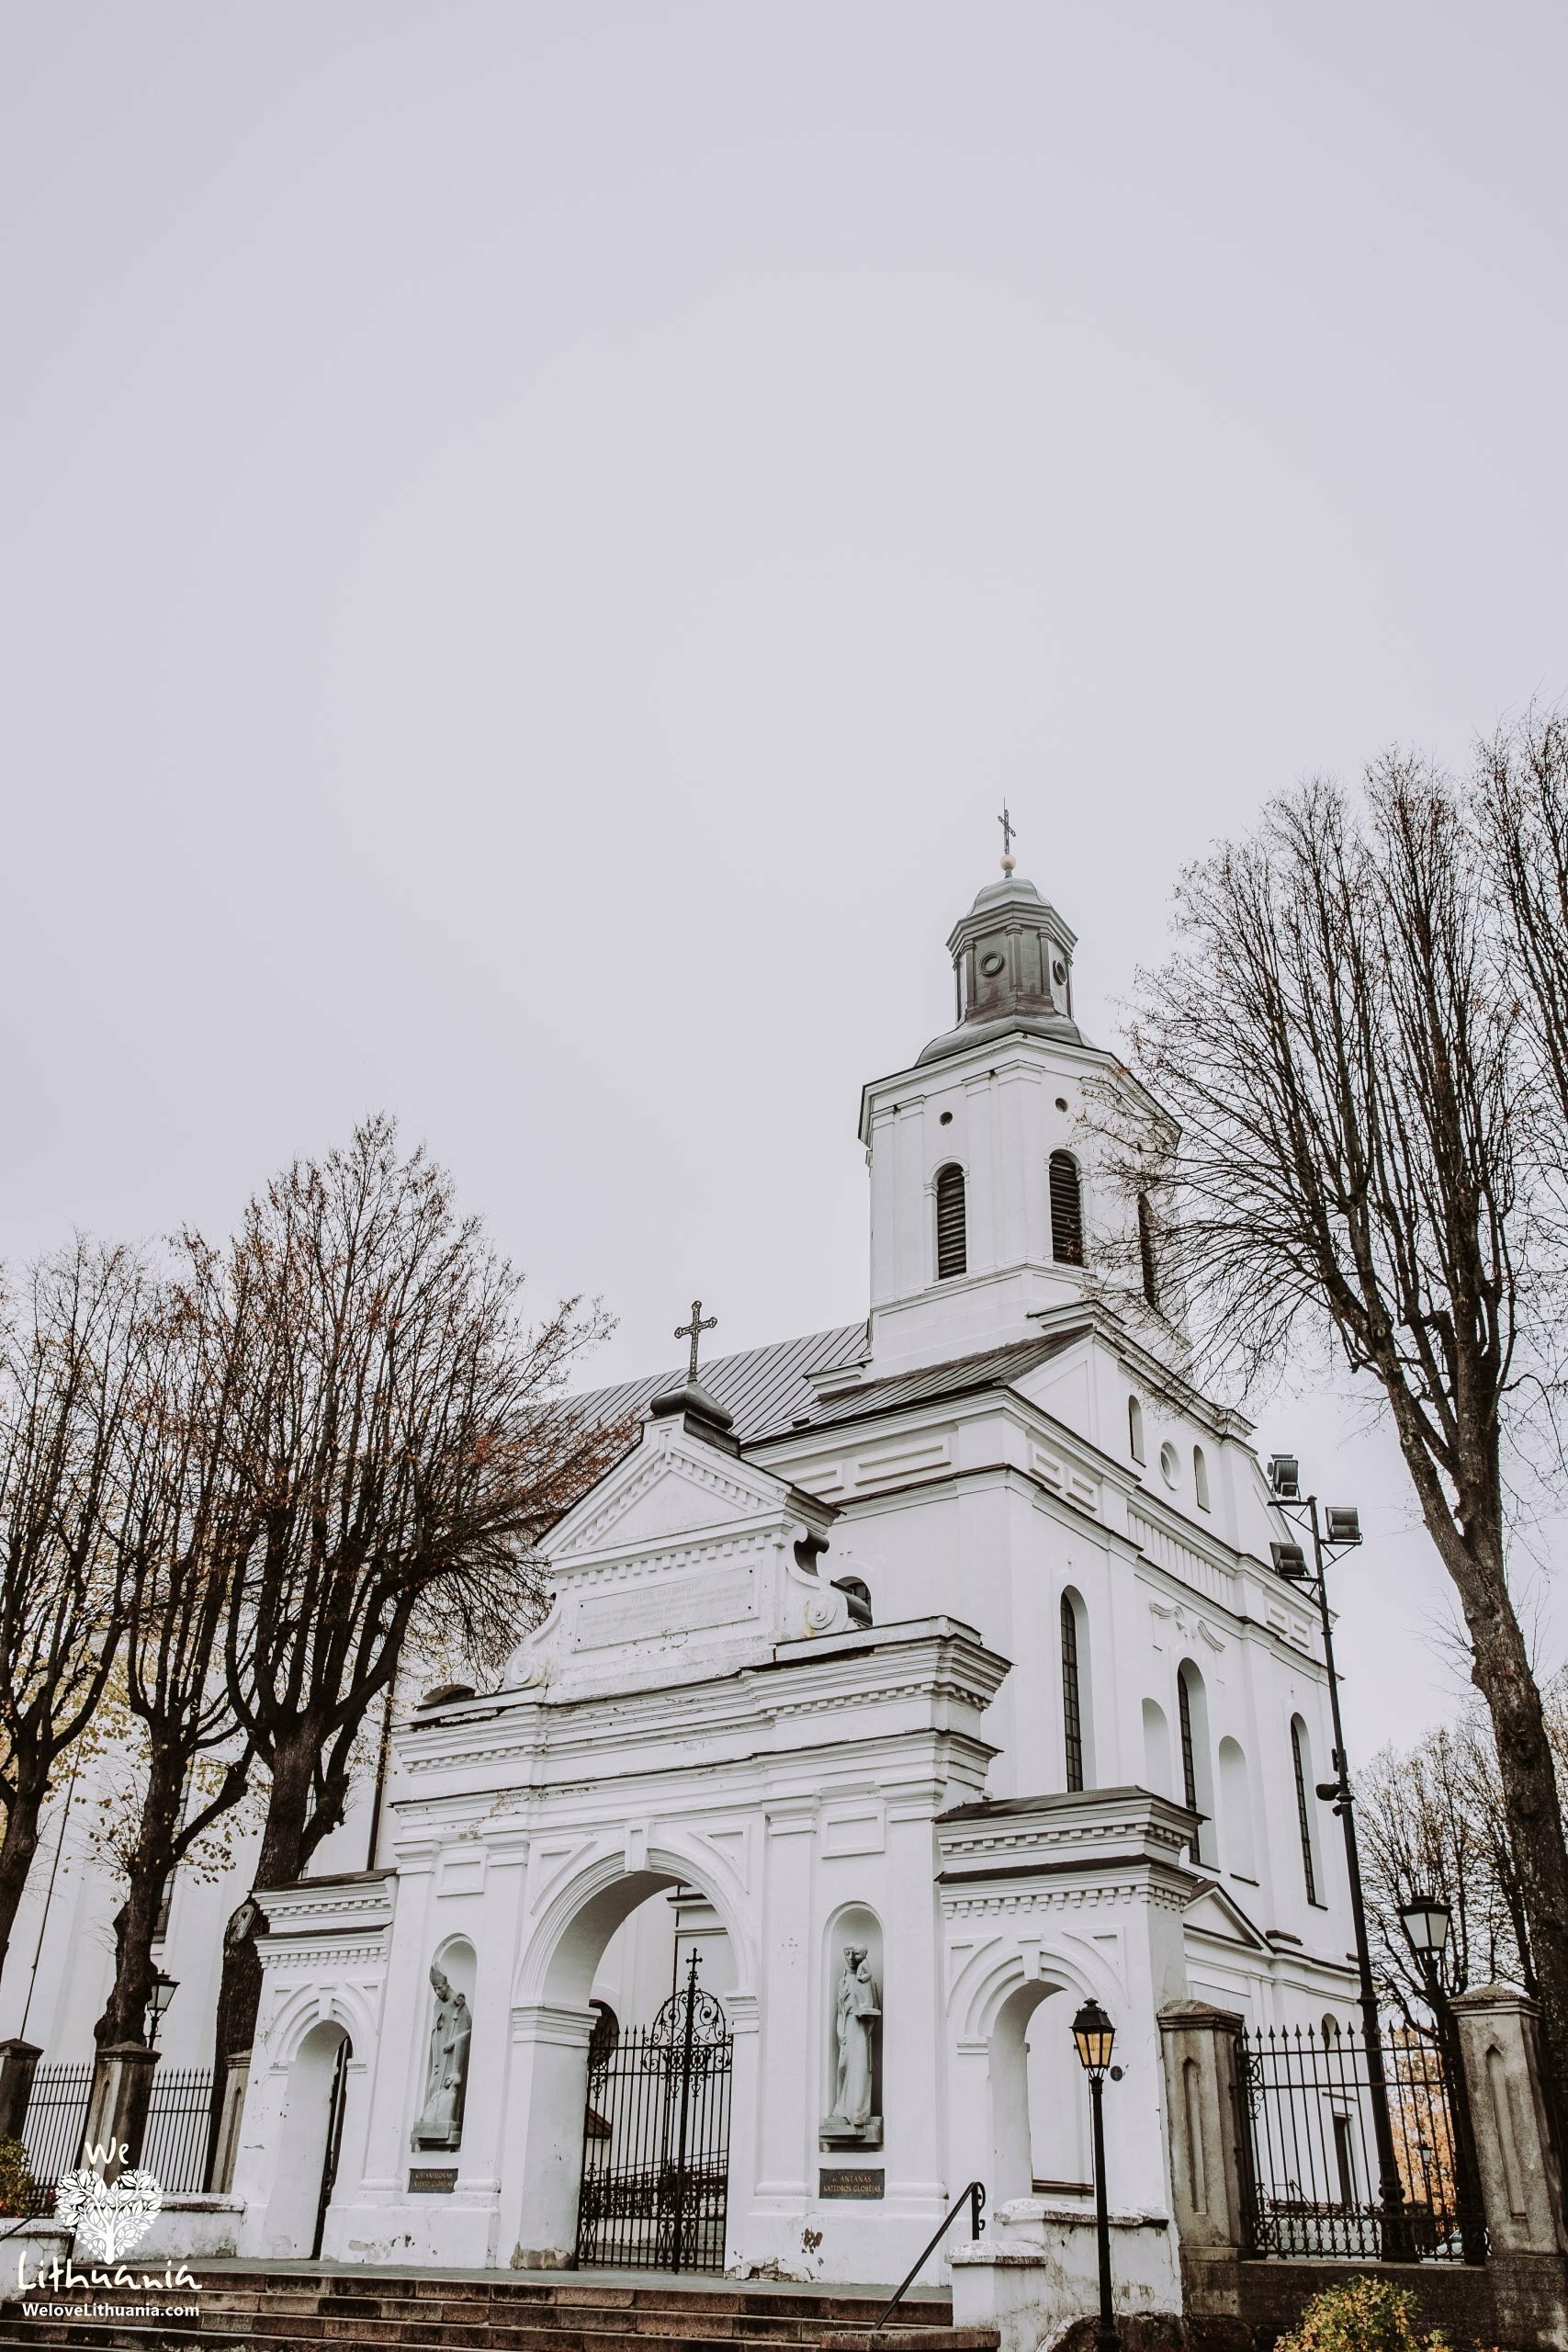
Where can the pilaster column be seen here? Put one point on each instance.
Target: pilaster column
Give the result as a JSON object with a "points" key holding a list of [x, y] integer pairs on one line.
{"points": [[914, 2093], [542, 2162], [790, 2076], [386, 2140]]}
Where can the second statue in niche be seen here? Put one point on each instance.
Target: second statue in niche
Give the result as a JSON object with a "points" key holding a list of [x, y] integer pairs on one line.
{"points": [[857, 2029], [440, 2123]]}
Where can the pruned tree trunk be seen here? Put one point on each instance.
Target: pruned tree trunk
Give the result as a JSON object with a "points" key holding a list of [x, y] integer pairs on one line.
{"points": [[18, 1843]]}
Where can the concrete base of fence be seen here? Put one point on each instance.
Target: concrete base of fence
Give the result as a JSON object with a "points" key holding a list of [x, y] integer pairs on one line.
{"points": [[191, 2230], [24, 2250], [1519, 2302]]}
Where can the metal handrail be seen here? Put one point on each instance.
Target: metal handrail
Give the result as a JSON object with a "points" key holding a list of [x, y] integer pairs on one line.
{"points": [[975, 2198]]}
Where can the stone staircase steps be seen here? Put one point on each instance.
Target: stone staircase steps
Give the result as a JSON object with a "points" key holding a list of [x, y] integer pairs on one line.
{"points": [[383, 2312]]}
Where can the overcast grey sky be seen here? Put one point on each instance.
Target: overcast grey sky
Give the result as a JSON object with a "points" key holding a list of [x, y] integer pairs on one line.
{"points": [[538, 539]]}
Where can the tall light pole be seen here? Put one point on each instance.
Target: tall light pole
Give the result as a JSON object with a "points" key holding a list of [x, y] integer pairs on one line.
{"points": [[1341, 1534], [1093, 2036]]}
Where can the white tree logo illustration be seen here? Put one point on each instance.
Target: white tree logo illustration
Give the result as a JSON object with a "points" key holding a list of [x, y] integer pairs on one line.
{"points": [[110, 2219]]}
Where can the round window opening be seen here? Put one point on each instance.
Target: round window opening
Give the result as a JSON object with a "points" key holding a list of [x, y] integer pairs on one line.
{"points": [[1061, 1101], [947, 1118], [990, 965], [1058, 973], [1170, 1464]]}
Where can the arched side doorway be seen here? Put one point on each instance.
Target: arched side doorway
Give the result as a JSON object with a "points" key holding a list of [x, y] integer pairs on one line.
{"points": [[625, 2146], [1039, 2105], [310, 2144]]}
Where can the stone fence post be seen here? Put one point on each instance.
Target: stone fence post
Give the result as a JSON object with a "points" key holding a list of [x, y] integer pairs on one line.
{"points": [[1202, 2124], [1521, 2182], [118, 2104], [18, 2064], [226, 2147]]}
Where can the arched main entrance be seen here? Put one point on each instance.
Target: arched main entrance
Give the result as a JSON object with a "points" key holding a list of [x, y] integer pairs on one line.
{"points": [[629, 2059]]}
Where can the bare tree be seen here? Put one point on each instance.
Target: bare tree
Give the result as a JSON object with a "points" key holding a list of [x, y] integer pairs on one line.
{"points": [[1519, 805], [404, 1438], [70, 1347], [1432, 1822], [1341, 1043], [187, 1529]]}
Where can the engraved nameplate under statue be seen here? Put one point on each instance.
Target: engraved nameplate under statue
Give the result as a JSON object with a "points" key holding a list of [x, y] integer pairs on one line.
{"points": [[440, 2121], [857, 2025]]}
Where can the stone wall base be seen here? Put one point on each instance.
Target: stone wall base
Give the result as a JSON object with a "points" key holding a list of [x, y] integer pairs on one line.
{"points": [[1516, 2301]]}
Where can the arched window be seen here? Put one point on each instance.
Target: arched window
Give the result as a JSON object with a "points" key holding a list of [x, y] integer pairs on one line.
{"points": [[1300, 1756], [1072, 1704], [949, 1237], [1066, 1210], [1197, 1772], [1135, 1428], [1146, 1250], [1201, 1476]]}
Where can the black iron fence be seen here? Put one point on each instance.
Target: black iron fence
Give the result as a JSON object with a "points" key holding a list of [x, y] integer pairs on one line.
{"points": [[175, 2147], [57, 2111], [656, 2141], [1309, 2148]]}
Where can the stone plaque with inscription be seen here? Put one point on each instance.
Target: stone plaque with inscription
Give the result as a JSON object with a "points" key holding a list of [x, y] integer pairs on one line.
{"points": [[849, 2180], [433, 2180]]}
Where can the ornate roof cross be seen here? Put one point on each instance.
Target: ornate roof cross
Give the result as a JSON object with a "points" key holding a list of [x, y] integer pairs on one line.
{"points": [[693, 1332], [1009, 831]]}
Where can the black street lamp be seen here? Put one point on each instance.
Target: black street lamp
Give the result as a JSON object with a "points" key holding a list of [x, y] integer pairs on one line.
{"points": [[1093, 2036], [1425, 1921], [162, 1992], [1342, 1534]]}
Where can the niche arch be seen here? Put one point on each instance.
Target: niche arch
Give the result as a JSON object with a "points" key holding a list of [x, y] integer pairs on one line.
{"points": [[458, 1963], [1238, 1848], [851, 1924], [1039, 2096], [1156, 1749]]}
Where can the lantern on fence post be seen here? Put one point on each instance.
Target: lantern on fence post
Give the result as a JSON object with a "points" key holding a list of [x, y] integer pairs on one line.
{"points": [[1093, 2038]]}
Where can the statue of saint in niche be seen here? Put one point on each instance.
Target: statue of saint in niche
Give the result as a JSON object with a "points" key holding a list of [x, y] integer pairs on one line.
{"points": [[857, 2021], [440, 2122]]}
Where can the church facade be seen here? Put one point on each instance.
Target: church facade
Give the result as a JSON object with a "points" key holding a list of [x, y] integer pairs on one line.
{"points": [[902, 1688]]}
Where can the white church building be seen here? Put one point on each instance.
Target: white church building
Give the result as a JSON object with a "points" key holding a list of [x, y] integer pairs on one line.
{"points": [[903, 1687]]}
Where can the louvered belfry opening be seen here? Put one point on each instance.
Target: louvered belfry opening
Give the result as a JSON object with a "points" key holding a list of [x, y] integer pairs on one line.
{"points": [[1066, 1210], [950, 1235]]}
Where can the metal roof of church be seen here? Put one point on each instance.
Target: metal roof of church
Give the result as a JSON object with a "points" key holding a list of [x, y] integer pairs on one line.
{"points": [[766, 1388]]}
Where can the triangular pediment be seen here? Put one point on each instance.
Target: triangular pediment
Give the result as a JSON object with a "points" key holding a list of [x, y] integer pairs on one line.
{"points": [[1213, 1911], [670, 1487]]}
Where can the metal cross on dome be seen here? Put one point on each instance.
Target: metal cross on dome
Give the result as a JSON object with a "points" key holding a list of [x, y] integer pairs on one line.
{"points": [[1009, 833], [693, 1332]]}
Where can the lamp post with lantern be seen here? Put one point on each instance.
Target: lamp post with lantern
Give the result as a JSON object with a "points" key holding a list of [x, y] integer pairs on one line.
{"points": [[1427, 1920], [1339, 1532], [162, 1992], [1094, 2037]]}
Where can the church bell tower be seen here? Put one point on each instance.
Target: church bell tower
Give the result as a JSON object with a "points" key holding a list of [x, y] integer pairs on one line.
{"points": [[982, 1190]]}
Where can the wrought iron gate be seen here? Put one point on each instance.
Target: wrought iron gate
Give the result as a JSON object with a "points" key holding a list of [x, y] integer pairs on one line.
{"points": [[656, 2140]]}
